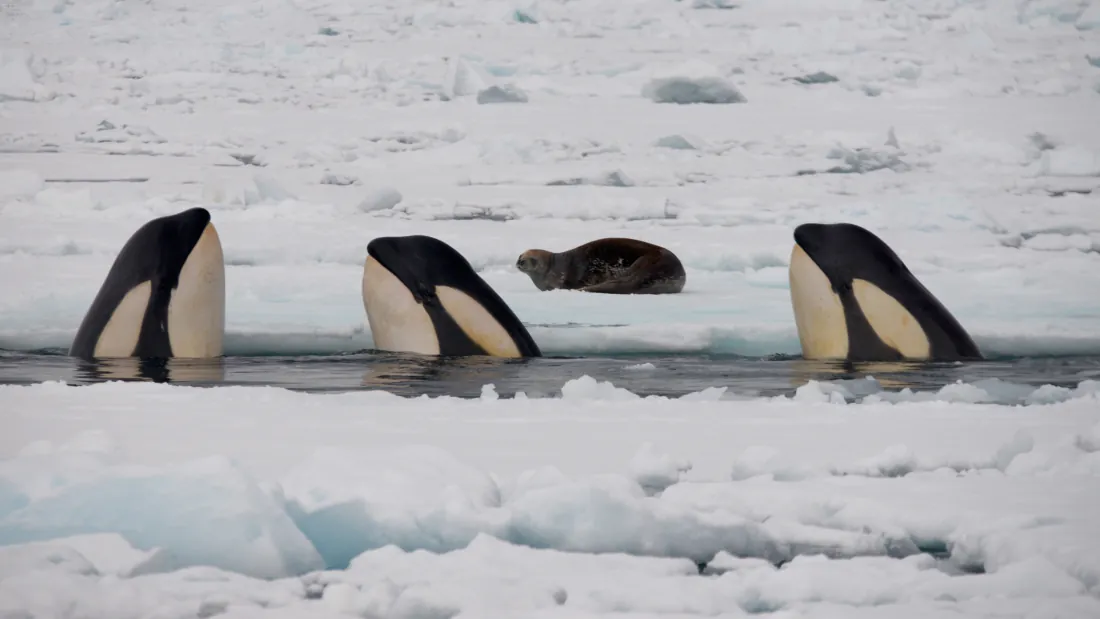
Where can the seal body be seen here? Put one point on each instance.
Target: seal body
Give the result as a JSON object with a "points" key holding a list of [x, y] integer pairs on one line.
{"points": [[163, 297], [611, 265], [422, 296], [854, 299]]}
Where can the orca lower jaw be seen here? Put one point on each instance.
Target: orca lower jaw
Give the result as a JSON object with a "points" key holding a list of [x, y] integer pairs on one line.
{"points": [[196, 309], [818, 311], [399, 321]]}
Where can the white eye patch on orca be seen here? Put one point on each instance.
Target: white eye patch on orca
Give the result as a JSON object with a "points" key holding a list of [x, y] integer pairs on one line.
{"points": [[477, 323], [891, 322], [120, 336]]}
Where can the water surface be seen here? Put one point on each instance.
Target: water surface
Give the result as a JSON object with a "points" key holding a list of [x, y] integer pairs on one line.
{"points": [[412, 375]]}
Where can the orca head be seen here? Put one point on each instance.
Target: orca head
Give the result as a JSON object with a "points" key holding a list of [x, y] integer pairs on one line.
{"points": [[853, 298], [422, 296], [164, 295]]}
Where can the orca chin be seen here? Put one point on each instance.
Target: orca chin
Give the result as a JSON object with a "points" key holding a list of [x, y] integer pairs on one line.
{"points": [[818, 311], [422, 296], [164, 296], [854, 299]]}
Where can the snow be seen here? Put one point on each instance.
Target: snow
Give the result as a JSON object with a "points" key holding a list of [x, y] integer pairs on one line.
{"points": [[119, 498], [963, 133], [502, 94]]}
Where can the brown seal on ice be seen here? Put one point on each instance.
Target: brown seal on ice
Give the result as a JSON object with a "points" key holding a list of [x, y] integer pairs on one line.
{"points": [[613, 266]]}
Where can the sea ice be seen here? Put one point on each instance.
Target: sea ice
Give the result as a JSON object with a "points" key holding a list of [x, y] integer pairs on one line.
{"points": [[422, 527]]}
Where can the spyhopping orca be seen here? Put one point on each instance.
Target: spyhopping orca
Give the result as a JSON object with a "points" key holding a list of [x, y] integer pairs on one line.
{"points": [[422, 296], [164, 295], [854, 299]]}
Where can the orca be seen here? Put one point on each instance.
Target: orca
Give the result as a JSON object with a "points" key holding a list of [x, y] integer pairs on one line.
{"points": [[422, 296], [163, 297], [854, 299]]}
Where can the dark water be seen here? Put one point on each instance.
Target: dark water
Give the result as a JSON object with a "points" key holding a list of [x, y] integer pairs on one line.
{"points": [[411, 375]]}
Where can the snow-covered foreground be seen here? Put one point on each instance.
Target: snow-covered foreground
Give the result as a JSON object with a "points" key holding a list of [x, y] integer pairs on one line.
{"points": [[122, 500], [961, 132]]}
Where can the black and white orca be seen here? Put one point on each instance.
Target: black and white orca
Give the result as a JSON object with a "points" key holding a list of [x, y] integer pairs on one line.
{"points": [[164, 296], [855, 300], [422, 296]]}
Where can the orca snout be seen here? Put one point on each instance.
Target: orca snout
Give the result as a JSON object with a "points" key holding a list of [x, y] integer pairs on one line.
{"points": [[809, 236]]}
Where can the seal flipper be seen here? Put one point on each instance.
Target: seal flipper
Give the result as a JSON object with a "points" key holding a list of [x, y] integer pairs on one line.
{"points": [[613, 286], [638, 278]]}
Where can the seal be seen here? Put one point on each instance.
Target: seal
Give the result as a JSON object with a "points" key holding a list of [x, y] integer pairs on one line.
{"points": [[854, 299], [163, 297], [610, 265], [422, 296]]}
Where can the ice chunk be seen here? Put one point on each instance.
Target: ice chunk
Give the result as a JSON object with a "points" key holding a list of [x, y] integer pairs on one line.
{"points": [[463, 79], [207, 512], [892, 139], [688, 90], [18, 79], [1070, 161], [1089, 441], [526, 13], [505, 93], [347, 501], [108, 553], [588, 388], [489, 393], [864, 160], [725, 562], [107, 132], [822, 392], [895, 461], [269, 190], [713, 4], [1090, 19], [342, 180], [52, 556], [614, 178], [819, 77], [680, 142], [610, 513], [380, 199], [656, 471]]}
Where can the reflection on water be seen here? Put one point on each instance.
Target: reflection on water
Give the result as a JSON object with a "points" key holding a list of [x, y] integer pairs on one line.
{"points": [[413, 375], [893, 375], [185, 371], [396, 371]]}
